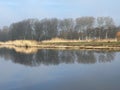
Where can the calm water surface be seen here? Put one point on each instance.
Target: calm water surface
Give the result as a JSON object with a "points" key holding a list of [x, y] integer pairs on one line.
{"points": [[59, 70]]}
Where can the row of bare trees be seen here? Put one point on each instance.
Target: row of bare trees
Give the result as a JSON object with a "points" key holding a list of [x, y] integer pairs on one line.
{"points": [[79, 28]]}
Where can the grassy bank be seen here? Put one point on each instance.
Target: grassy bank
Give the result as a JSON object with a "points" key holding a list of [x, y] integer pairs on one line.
{"points": [[65, 44]]}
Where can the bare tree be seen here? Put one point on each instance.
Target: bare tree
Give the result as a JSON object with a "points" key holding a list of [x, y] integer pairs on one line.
{"points": [[100, 25], [83, 24], [109, 23], [66, 26], [79, 28]]}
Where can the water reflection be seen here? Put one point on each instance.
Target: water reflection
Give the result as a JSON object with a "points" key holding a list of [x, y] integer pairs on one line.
{"points": [[55, 57], [24, 50]]}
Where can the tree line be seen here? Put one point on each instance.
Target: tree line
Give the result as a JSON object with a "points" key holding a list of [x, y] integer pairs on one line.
{"points": [[80, 28]]}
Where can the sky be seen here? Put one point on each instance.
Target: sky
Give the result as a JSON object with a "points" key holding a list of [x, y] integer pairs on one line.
{"points": [[16, 10]]}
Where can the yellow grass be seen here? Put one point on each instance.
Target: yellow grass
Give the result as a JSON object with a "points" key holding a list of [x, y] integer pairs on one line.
{"points": [[103, 40], [22, 43], [31, 46], [21, 49], [59, 40], [88, 40]]}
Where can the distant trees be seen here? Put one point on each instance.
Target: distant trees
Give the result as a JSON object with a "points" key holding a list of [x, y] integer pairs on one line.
{"points": [[118, 36], [4, 34], [66, 28], [23, 30], [79, 28], [105, 25]]}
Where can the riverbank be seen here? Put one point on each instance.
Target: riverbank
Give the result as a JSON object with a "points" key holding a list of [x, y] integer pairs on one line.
{"points": [[64, 44]]}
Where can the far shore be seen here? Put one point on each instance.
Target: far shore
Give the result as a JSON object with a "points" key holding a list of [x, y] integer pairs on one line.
{"points": [[109, 44]]}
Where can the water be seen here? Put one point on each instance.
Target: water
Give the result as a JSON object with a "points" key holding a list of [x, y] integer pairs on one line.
{"points": [[59, 70]]}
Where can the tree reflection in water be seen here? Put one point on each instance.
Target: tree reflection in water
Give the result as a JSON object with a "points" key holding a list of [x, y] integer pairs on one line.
{"points": [[55, 57], [106, 57]]}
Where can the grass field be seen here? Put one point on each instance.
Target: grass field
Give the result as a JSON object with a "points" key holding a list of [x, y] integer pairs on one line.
{"points": [[65, 44]]}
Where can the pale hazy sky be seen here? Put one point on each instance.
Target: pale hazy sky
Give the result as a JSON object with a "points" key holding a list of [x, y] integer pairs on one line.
{"points": [[17, 10]]}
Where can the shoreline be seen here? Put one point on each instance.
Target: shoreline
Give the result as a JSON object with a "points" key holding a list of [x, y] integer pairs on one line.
{"points": [[75, 45]]}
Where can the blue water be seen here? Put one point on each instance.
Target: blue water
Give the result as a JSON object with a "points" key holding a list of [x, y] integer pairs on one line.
{"points": [[59, 70]]}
